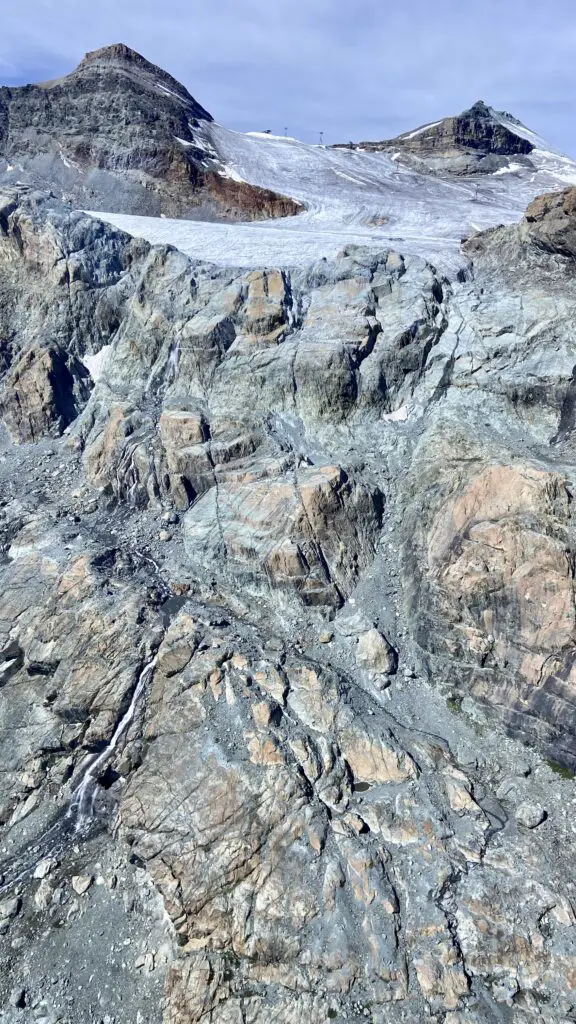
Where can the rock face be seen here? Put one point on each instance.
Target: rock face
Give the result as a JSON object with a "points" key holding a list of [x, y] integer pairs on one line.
{"points": [[479, 140], [43, 394], [474, 129], [550, 221], [287, 634], [117, 134]]}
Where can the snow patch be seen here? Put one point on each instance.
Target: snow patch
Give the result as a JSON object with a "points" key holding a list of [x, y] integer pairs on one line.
{"points": [[349, 177], [169, 92], [67, 162], [229, 172], [398, 416], [94, 362], [183, 142], [412, 135], [268, 135], [511, 169]]}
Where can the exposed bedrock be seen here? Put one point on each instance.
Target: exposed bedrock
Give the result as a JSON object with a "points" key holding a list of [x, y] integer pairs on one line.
{"points": [[550, 221], [331, 511]]}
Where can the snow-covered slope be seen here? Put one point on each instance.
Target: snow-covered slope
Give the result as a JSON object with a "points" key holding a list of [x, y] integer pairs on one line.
{"points": [[353, 196]]}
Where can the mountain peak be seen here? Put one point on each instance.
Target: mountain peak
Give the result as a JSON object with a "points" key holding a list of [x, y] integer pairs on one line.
{"points": [[478, 109], [479, 140], [118, 58], [117, 53]]}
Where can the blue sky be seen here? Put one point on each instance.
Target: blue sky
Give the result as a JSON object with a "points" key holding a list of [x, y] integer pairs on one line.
{"points": [[355, 69]]}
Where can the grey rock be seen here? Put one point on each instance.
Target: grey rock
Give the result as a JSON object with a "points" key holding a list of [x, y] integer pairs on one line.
{"points": [[43, 393], [9, 909], [311, 841], [17, 997], [45, 867], [374, 652], [530, 815], [550, 222]]}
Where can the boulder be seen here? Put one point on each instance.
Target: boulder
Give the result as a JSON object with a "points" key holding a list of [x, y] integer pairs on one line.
{"points": [[375, 653]]}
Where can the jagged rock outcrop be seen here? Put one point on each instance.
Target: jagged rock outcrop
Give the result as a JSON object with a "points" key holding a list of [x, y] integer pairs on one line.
{"points": [[550, 221], [330, 509], [311, 529], [43, 393], [117, 134]]}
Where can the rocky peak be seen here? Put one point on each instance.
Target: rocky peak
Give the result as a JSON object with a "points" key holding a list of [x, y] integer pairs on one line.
{"points": [[478, 129], [123, 59], [122, 135], [478, 109], [117, 53], [478, 140]]}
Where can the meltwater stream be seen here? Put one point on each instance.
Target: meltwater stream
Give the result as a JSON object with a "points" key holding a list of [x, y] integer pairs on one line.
{"points": [[80, 813], [81, 809]]}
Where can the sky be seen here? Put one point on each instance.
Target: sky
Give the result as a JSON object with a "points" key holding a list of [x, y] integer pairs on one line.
{"points": [[353, 69]]}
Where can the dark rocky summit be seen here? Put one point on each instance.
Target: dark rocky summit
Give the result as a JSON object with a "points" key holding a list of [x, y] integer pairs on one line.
{"points": [[117, 134], [479, 140], [292, 554]]}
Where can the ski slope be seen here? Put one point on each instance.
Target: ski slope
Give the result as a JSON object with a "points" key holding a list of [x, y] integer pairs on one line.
{"points": [[351, 197]]}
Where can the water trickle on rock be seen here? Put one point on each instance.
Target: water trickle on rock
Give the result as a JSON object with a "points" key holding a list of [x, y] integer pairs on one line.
{"points": [[84, 796]]}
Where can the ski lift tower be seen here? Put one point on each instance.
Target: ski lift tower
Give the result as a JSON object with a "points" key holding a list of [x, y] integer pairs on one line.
{"points": [[321, 138]]}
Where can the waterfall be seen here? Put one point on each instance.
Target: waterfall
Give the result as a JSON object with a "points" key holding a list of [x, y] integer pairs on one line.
{"points": [[84, 796], [173, 362]]}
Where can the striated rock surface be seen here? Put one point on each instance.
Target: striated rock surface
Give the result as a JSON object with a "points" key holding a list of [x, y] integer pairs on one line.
{"points": [[287, 682], [43, 394], [117, 134]]}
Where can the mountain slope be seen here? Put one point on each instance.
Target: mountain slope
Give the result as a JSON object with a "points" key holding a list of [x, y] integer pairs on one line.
{"points": [[117, 134], [371, 198]]}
